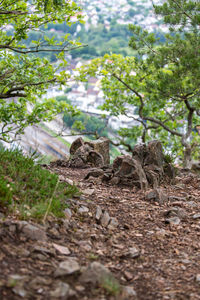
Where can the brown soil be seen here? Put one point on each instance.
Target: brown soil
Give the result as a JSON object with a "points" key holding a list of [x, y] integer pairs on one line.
{"points": [[169, 259]]}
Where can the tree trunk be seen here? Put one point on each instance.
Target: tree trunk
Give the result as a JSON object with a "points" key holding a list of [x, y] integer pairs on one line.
{"points": [[187, 157]]}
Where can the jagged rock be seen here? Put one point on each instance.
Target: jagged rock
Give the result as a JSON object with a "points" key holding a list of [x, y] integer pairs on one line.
{"points": [[67, 267], [93, 153], [75, 145], [129, 171], [145, 168], [156, 195], [101, 146]]}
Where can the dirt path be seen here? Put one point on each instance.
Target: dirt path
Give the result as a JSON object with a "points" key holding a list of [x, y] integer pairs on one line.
{"points": [[158, 260]]}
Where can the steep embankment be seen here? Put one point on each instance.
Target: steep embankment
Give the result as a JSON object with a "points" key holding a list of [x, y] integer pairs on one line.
{"points": [[153, 249]]}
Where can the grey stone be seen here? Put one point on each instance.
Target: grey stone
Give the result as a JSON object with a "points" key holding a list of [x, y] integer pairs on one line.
{"points": [[133, 252], [67, 267], [98, 213], [95, 273], [129, 293], [113, 224], [20, 291], [62, 290], [156, 195], [173, 221], [88, 192], [196, 216], [33, 232], [101, 146], [176, 212], [83, 210], [129, 171], [105, 219]]}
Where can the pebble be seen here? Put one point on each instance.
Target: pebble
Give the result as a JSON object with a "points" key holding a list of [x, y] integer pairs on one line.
{"points": [[98, 213], [61, 249], [88, 192], [105, 219], [67, 267], [133, 252], [83, 210], [173, 221], [113, 224]]}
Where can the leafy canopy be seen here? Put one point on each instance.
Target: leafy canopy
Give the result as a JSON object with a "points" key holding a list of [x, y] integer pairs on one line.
{"points": [[24, 76], [162, 83]]}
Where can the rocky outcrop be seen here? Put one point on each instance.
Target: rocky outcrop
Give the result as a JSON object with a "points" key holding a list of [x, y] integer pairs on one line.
{"points": [[146, 168], [89, 154]]}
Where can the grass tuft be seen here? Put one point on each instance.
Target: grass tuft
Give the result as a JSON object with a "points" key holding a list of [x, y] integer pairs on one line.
{"points": [[26, 188]]}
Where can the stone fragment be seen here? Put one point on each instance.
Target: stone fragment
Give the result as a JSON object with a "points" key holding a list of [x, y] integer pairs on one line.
{"points": [[129, 171], [113, 224], [105, 219], [61, 292], [67, 267], [156, 195], [98, 213], [83, 210], [129, 293], [68, 213], [95, 273], [196, 216], [20, 291], [175, 212], [88, 192], [32, 232], [61, 249], [173, 221], [133, 252], [85, 245]]}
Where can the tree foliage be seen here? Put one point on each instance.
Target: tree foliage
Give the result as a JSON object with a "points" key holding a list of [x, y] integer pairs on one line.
{"points": [[162, 81], [24, 76]]}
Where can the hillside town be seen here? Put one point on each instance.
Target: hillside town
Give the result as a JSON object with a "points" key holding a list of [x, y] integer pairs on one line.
{"points": [[126, 11]]}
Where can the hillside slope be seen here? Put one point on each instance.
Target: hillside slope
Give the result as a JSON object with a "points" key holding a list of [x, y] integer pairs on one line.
{"points": [[151, 249]]}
